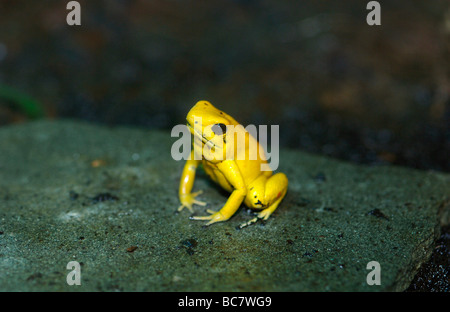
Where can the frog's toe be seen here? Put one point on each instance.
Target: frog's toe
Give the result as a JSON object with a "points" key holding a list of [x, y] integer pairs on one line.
{"points": [[216, 217], [265, 214], [200, 217], [211, 212], [195, 201], [198, 202], [245, 224], [213, 217], [189, 200], [196, 193], [188, 206]]}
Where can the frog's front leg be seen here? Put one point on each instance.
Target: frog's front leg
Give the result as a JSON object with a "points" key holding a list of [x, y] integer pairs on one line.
{"points": [[187, 198], [232, 173]]}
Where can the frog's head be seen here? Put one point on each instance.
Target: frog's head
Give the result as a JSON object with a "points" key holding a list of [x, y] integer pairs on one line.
{"points": [[209, 123]]}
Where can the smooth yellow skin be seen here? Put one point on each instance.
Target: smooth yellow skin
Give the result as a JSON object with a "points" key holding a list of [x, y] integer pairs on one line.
{"points": [[244, 179]]}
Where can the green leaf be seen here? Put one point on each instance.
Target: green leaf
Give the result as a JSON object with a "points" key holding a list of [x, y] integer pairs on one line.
{"points": [[29, 106]]}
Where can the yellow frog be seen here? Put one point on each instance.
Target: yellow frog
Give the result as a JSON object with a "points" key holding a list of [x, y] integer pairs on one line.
{"points": [[233, 169]]}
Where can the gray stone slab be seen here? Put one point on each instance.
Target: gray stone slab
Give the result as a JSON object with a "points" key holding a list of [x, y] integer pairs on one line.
{"points": [[56, 207]]}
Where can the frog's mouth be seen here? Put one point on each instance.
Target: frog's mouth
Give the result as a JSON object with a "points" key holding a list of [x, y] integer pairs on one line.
{"points": [[199, 135]]}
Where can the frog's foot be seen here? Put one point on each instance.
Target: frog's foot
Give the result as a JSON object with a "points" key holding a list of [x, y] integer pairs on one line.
{"points": [[189, 199], [263, 215], [215, 216]]}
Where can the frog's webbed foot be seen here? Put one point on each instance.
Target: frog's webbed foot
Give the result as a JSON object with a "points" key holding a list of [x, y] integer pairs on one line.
{"points": [[215, 216], [189, 199]]}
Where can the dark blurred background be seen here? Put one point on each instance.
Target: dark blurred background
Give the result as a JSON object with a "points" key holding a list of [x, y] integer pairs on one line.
{"points": [[336, 86]]}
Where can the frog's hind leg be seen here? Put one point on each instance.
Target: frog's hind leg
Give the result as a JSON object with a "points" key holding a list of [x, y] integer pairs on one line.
{"points": [[274, 191]]}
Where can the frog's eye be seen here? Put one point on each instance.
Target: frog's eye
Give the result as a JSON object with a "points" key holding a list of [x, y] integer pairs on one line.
{"points": [[219, 129]]}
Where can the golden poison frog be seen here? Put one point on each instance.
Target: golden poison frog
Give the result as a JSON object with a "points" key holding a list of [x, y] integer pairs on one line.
{"points": [[237, 166]]}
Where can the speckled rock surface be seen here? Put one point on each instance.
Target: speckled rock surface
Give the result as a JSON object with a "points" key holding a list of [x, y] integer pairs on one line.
{"points": [[71, 191]]}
